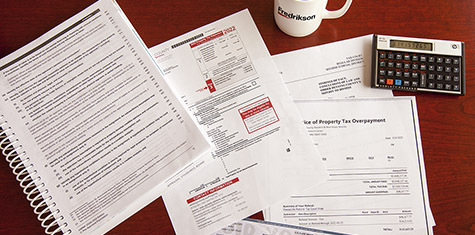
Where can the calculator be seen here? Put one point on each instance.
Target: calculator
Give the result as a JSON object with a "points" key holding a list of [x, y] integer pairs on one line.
{"points": [[416, 64]]}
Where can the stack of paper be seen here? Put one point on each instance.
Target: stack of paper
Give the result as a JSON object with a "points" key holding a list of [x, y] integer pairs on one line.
{"points": [[371, 146], [300, 135], [366, 176]]}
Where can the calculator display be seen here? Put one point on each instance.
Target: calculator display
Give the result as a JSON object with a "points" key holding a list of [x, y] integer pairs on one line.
{"points": [[411, 45]]}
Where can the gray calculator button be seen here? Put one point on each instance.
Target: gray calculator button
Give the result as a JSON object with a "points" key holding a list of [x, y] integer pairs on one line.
{"points": [[423, 80]]}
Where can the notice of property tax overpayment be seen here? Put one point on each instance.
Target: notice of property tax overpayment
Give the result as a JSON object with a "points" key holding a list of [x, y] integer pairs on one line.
{"points": [[371, 147]]}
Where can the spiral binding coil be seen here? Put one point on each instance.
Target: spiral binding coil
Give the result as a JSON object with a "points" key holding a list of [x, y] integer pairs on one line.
{"points": [[31, 183]]}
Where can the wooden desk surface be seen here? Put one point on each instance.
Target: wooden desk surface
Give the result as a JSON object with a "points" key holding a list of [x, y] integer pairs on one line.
{"points": [[447, 123]]}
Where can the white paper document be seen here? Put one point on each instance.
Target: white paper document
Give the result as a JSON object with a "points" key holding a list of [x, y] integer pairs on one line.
{"points": [[97, 125], [372, 150], [260, 227], [339, 69], [225, 75]]}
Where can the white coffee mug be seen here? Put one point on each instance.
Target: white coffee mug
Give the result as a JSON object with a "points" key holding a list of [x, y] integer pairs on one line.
{"points": [[300, 18]]}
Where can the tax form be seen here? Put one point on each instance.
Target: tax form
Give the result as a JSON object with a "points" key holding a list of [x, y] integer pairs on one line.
{"points": [[339, 69], [372, 150], [226, 77]]}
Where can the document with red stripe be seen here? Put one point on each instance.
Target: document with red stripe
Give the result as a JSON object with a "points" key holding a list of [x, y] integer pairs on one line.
{"points": [[261, 152]]}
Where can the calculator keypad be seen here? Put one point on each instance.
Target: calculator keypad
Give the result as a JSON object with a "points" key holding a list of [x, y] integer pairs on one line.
{"points": [[411, 71]]}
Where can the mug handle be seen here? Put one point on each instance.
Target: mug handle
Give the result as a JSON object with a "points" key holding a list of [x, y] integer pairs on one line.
{"points": [[338, 13]]}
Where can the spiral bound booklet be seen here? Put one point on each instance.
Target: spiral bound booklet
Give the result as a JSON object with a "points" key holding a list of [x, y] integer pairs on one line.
{"points": [[89, 125]]}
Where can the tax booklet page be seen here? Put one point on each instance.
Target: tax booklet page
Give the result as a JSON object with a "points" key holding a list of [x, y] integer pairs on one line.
{"points": [[225, 75], [372, 150], [94, 120]]}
